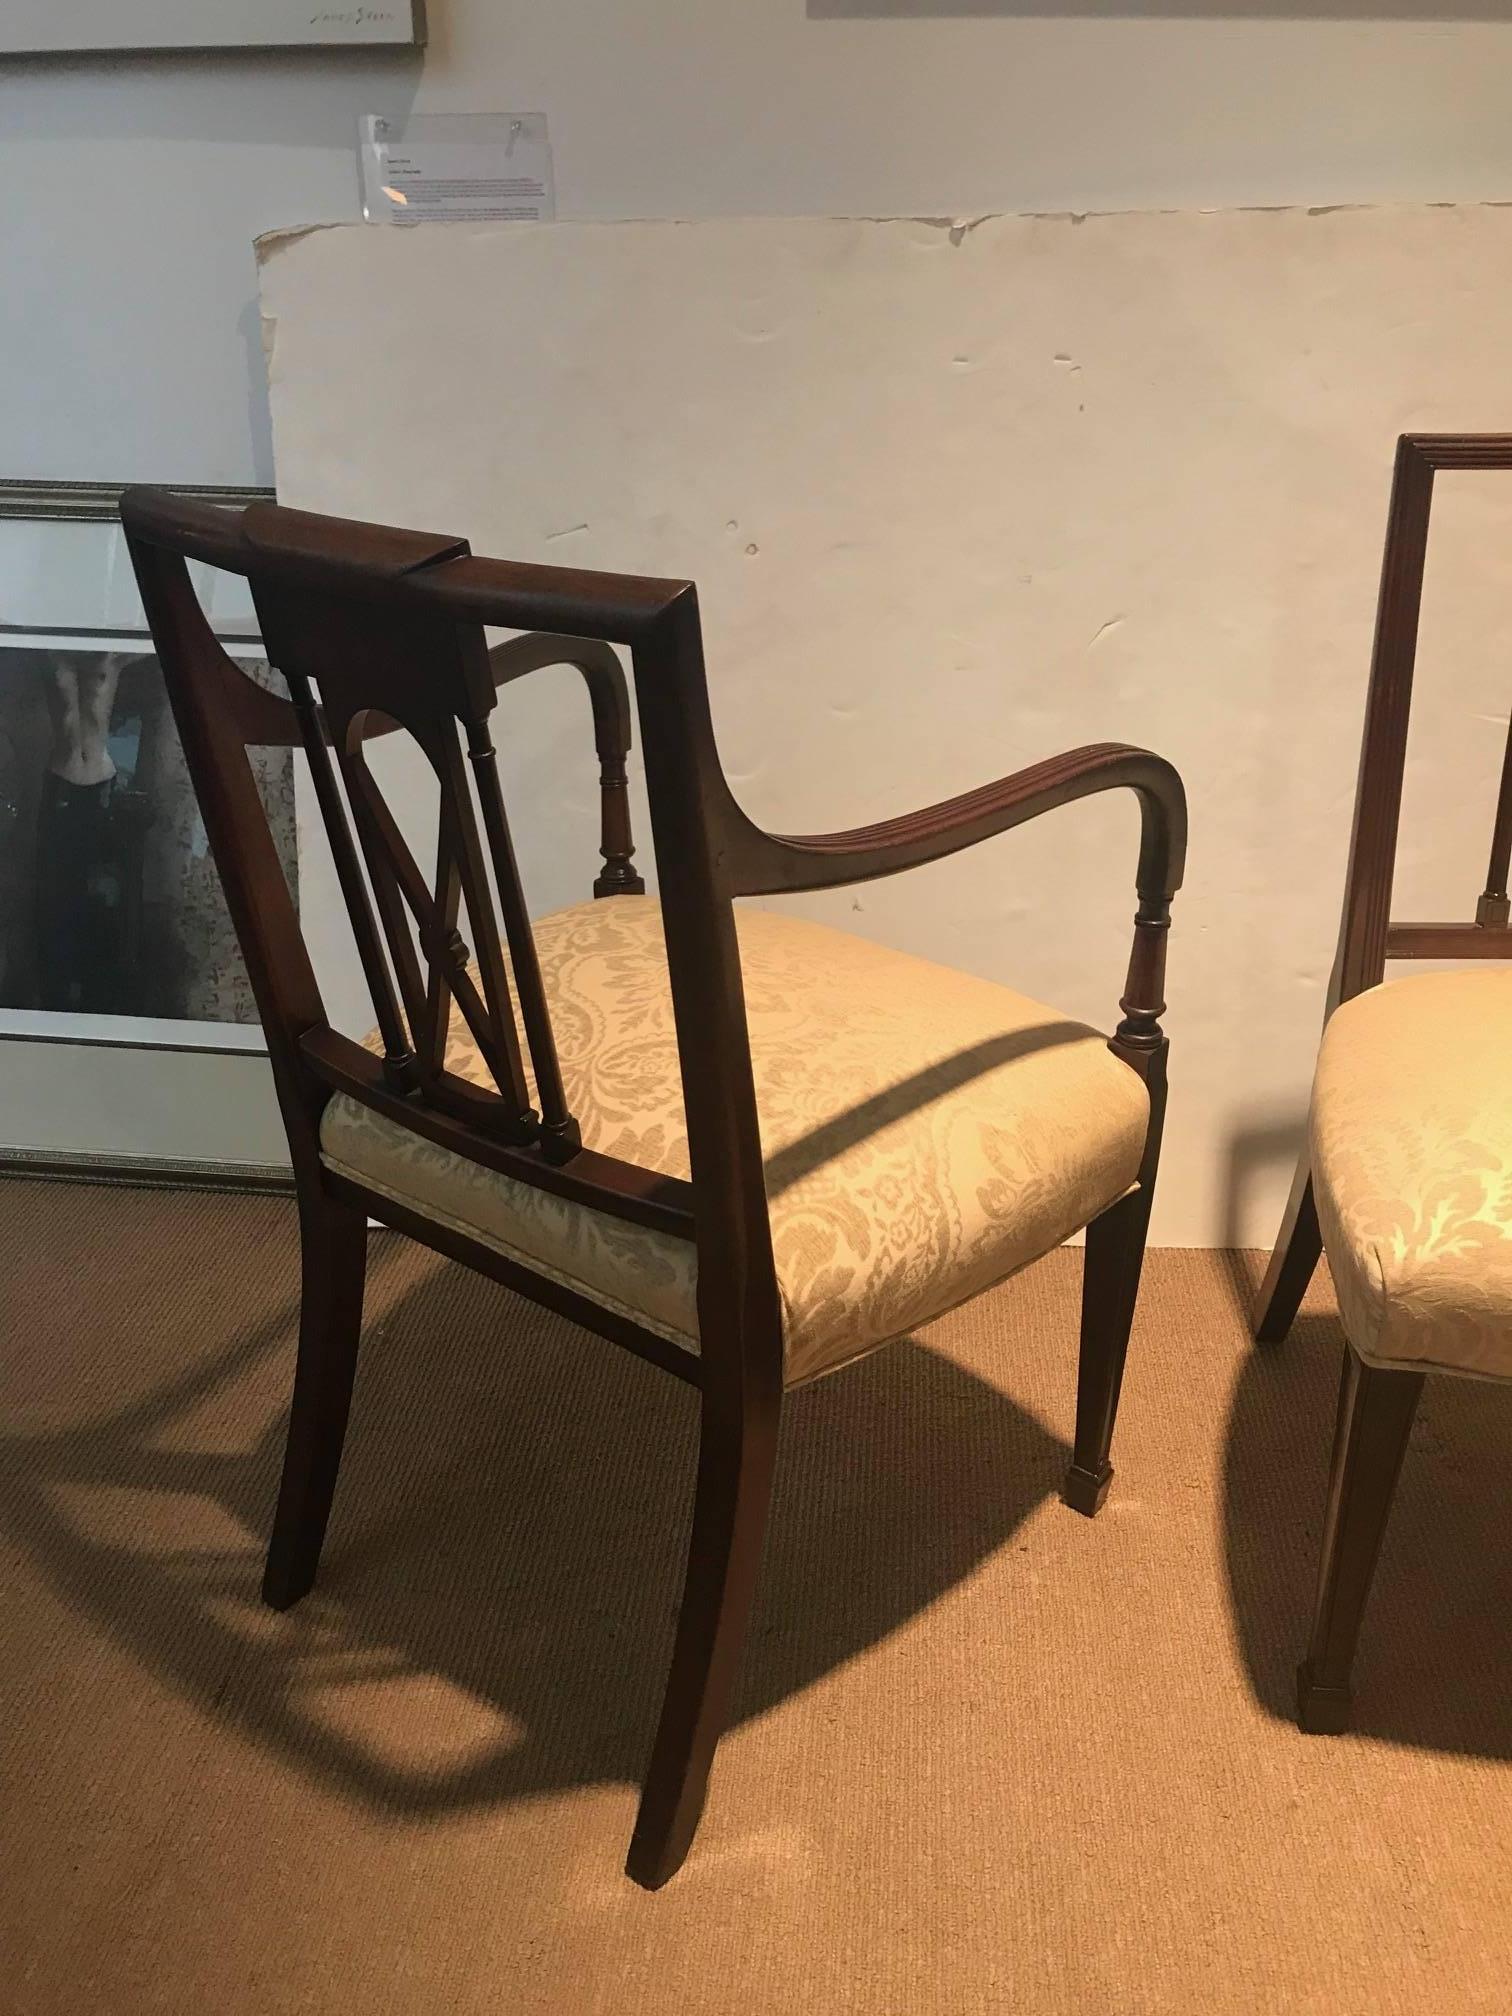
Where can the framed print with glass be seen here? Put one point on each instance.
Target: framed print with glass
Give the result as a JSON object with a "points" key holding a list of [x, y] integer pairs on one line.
{"points": [[38, 27], [114, 936]]}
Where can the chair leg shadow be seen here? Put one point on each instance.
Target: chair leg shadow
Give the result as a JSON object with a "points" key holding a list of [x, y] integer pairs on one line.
{"points": [[495, 1603]]}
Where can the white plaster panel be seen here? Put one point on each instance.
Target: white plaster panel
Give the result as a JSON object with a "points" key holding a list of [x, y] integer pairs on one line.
{"points": [[956, 499]]}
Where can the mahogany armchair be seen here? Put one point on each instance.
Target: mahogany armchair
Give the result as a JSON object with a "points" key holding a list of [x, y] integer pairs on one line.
{"points": [[1406, 1179], [749, 1149]]}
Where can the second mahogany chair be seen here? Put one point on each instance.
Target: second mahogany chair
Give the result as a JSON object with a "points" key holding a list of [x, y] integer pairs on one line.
{"points": [[746, 1147], [1406, 1180]]}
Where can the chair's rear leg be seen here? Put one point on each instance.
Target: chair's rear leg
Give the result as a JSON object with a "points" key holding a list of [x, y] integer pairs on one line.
{"points": [[724, 1557], [1375, 1416], [1293, 1260], [333, 1258], [1110, 1288]]}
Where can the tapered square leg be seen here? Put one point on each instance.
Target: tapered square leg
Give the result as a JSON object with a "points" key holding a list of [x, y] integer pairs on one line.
{"points": [[1376, 1409], [1110, 1288]]}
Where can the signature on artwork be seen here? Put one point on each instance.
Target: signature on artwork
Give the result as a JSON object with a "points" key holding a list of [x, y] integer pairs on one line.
{"points": [[350, 17]]}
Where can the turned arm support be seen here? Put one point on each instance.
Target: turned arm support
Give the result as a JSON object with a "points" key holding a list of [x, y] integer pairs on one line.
{"points": [[609, 697]]}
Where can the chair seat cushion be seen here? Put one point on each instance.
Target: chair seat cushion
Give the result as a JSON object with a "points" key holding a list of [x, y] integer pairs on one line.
{"points": [[924, 1133], [1412, 1170]]}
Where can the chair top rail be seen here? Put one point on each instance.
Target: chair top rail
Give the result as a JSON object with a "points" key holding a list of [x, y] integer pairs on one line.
{"points": [[1463, 451], [508, 595]]}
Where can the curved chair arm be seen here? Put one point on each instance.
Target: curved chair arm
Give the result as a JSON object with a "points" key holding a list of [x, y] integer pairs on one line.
{"points": [[770, 863], [765, 864]]}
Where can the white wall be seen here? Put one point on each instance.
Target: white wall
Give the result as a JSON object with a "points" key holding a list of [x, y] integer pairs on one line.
{"points": [[134, 186], [955, 501]]}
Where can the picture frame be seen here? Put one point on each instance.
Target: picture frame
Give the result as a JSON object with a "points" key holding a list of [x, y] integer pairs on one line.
{"points": [[80, 27], [112, 927], [130, 1049]]}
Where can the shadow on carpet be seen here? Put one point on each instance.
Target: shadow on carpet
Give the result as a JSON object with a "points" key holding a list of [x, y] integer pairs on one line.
{"points": [[1435, 1658], [497, 1595]]}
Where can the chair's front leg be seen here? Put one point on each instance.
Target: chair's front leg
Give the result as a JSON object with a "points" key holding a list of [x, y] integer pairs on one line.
{"points": [[736, 1459], [1115, 1251], [1111, 1267], [1376, 1408]]}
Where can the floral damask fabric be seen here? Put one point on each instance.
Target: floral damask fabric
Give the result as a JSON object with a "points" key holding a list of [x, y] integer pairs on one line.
{"points": [[925, 1133], [1412, 1170]]}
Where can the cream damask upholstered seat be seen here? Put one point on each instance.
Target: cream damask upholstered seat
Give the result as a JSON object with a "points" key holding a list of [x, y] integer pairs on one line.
{"points": [[1412, 1170], [925, 1133]]}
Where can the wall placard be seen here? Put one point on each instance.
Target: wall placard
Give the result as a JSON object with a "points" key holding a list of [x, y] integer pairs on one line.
{"points": [[456, 168]]}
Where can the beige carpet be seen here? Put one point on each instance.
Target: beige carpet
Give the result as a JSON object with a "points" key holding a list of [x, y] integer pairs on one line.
{"points": [[989, 1757]]}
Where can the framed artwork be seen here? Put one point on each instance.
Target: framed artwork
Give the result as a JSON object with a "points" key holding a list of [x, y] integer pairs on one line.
{"points": [[112, 924], [38, 27]]}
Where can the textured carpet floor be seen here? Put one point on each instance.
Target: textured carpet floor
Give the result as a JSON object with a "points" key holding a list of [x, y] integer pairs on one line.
{"points": [[989, 1757]]}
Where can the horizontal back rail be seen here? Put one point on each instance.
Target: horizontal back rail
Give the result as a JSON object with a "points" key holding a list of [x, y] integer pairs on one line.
{"points": [[662, 1203], [505, 594], [1448, 941], [541, 1289]]}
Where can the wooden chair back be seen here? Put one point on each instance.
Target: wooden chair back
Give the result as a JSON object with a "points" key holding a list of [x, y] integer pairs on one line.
{"points": [[377, 630], [1368, 936]]}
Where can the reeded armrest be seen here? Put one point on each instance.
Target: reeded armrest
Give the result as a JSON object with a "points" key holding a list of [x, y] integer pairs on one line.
{"points": [[770, 863]]}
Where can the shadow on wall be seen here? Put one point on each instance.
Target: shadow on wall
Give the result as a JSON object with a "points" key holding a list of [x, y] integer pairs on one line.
{"points": [[1436, 1649], [1262, 1157], [1168, 10], [501, 1579]]}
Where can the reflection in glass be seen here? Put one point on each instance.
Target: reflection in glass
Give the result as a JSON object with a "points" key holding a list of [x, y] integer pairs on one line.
{"points": [[109, 902]]}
